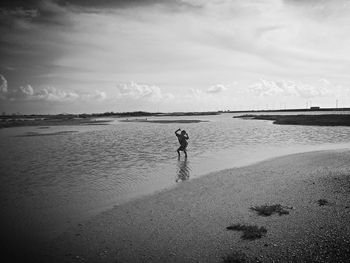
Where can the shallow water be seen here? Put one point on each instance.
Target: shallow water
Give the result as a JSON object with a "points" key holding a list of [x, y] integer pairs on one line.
{"points": [[64, 174]]}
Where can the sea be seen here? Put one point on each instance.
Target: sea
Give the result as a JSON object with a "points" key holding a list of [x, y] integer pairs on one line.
{"points": [[53, 177]]}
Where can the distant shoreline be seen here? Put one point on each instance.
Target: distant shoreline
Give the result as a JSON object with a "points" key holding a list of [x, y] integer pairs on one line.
{"points": [[335, 119], [318, 120]]}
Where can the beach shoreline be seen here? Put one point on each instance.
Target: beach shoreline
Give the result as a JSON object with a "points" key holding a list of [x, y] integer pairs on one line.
{"points": [[188, 223]]}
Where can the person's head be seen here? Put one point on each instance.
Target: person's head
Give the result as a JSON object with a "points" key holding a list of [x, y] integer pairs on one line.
{"points": [[183, 132]]}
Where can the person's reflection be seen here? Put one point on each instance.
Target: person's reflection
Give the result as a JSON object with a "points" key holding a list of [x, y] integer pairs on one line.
{"points": [[183, 171]]}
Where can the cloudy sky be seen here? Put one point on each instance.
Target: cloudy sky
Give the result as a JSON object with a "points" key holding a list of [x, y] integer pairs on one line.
{"points": [[75, 56]]}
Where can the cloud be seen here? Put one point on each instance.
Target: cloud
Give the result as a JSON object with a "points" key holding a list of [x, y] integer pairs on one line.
{"points": [[26, 91], [84, 44], [94, 96], [22, 14], [3, 85], [113, 3], [51, 94], [93, 4], [201, 100], [216, 88], [15, 4], [138, 91], [212, 90], [290, 88], [197, 94], [324, 82], [19, 12]]}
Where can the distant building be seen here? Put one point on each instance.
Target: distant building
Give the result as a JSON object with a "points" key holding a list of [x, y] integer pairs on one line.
{"points": [[315, 108]]}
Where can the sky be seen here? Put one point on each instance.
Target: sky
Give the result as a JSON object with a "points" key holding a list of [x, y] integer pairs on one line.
{"points": [[89, 56]]}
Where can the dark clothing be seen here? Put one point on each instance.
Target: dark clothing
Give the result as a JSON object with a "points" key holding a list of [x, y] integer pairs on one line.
{"points": [[182, 140], [182, 147], [182, 137]]}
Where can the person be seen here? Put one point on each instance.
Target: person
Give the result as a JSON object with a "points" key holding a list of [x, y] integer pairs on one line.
{"points": [[182, 137]]}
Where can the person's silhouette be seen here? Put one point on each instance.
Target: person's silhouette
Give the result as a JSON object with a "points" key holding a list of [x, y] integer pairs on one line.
{"points": [[182, 137]]}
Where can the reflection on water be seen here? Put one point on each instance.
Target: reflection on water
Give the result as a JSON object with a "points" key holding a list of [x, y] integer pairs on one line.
{"points": [[183, 169]]}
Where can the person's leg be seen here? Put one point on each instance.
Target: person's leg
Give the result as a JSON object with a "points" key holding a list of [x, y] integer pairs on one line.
{"points": [[185, 153], [178, 151]]}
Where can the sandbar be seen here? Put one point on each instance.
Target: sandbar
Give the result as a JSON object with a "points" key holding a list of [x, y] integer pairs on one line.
{"points": [[163, 121], [44, 122], [302, 119]]}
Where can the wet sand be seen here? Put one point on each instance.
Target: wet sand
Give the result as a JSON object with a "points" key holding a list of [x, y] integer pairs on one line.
{"points": [[188, 223]]}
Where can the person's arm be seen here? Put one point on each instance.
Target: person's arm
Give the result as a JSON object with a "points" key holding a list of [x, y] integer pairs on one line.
{"points": [[176, 132], [186, 136]]}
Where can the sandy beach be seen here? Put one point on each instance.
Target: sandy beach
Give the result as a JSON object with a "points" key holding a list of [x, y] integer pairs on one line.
{"points": [[188, 223]]}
